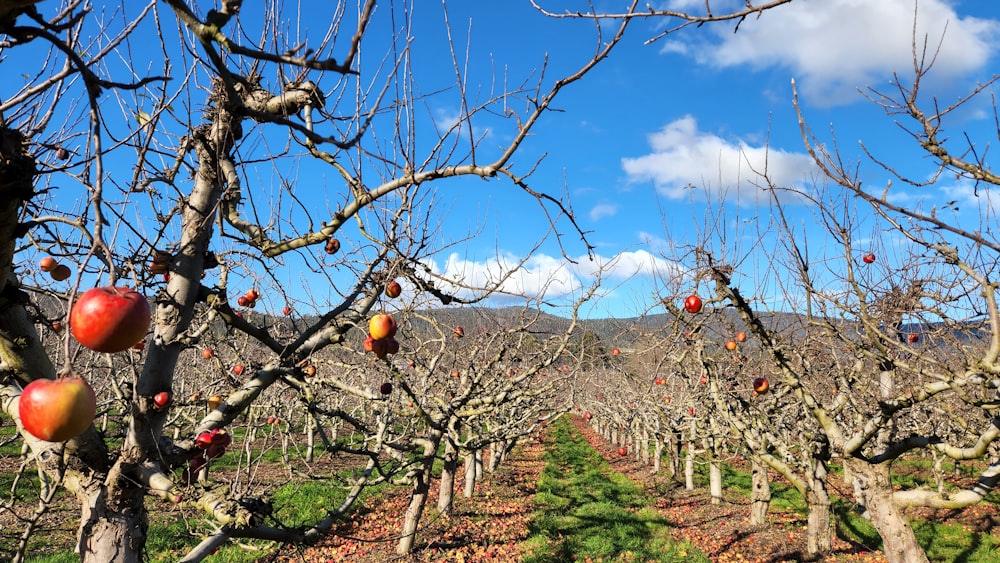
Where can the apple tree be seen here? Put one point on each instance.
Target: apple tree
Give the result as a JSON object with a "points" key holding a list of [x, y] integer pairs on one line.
{"points": [[212, 159]]}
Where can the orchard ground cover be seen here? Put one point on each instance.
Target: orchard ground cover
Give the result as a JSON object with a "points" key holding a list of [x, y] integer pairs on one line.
{"points": [[723, 533], [565, 497]]}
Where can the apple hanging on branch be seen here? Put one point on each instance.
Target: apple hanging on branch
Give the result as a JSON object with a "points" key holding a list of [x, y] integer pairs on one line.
{"points": [[693, 304], [393, 289], [382, 326], [47, 264], [57, 410], [110, 319]]}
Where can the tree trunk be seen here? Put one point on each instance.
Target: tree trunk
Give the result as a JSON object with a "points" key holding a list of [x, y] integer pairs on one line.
{"points": [[657, 454], [715, 481], [446, 493], [874, 488], [114, 529], [470, 474], [418, 498], [689, 459], [760, 492], [674, 444], [311, 439], [819, 531]]}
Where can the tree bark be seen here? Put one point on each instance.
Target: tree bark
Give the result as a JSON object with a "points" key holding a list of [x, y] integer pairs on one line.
{"points": [[470, 474], [446, 493], [819, 529], [715, 481], [657, 454], [874, 489], [689, 459], [418, 498], [760, 492]]}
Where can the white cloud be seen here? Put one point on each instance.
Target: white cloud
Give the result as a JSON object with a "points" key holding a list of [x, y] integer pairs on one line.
{"points": [[543, 275], [540, 275], [603, 210], [833, 47], [683, 158]]}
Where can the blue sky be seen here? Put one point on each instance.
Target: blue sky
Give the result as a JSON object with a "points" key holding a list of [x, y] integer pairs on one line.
{"points": [[699, 108]]}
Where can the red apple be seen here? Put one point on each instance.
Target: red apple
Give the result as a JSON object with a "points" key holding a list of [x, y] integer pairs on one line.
{"points": [[615, 352], [731, 345], [215, 451], [380, 347], [691, 411], [110, 319], [913, 338], [760, 385], [741, 336], [393, 289], [622, 452], [47, 264], [57, 410], [162, 400], [252, 294], [332, 246], [412, 364], [459, 332], [692, 304], [61, 273], [207, 353], [160, 263], [666, 400], [868, 258], [704, 379], [382, 326], [216, 437], [220, 437], [587, 415], [385, 388], [238, 369], [286, 311], [198, 462], [309, 370], [242, 301]]}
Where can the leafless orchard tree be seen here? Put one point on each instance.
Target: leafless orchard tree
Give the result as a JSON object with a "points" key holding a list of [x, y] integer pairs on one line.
{"points": [[890, 357], [159, 146]]}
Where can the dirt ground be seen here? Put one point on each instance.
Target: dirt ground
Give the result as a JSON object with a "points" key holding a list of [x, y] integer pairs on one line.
{"points": [[492, 525]]}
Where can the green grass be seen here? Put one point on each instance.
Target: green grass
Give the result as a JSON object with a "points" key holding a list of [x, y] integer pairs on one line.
{"points": [[171, 536], [584, 510], [944, 543]]}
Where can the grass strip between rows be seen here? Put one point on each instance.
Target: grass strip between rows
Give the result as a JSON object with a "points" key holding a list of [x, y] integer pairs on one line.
{"points": [[586, 511]]}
